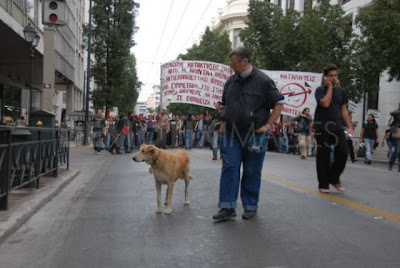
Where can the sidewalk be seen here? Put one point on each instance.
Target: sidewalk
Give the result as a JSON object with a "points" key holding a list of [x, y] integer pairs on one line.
{"points": [[25, 202]]}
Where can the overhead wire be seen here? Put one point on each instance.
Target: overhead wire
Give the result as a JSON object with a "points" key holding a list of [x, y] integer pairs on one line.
{"points": [[176, 30], [161, 37], [196, 25]]}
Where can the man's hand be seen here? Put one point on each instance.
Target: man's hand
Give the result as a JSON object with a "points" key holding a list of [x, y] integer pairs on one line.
{"points": [[350, 131], [327, 82], [337, 83], [264, 129], [218, 107], [222, 128]]}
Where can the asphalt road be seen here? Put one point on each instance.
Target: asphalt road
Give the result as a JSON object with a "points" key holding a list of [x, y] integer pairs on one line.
{"points": [[106, 218]]}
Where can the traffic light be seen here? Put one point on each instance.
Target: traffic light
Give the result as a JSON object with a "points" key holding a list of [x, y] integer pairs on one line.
{"points": [[54, 12]]}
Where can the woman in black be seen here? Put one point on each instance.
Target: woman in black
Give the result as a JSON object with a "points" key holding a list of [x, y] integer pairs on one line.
{"points": [[370, 135]]}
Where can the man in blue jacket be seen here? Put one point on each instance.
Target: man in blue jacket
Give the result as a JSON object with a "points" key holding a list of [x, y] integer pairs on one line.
{"points": [[247, 99]]}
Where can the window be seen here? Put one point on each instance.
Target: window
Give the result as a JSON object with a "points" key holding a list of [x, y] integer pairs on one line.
{"points": [[290, 4], [20, 3], [308, 4], [64, 98], [11, 101], [35, 100], [40, 21], [30, 8], [236, 39]]}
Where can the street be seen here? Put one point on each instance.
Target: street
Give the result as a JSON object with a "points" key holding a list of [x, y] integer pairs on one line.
{"points": [[106, 218]]}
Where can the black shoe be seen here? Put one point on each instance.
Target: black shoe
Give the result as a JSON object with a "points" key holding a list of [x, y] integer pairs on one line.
{"points": [[224, 214], [355, 160], [111, 151], [248, 214], [214, 158]]}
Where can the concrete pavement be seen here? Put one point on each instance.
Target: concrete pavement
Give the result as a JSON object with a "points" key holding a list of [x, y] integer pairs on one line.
{"points": [[106, 218], [25, 202]]}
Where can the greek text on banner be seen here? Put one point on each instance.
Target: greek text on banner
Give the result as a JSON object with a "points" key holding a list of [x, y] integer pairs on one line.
{"points": [[202, 83]]}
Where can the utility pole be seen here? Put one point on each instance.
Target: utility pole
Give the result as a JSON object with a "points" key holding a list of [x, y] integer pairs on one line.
{"points": [[88, 75]]}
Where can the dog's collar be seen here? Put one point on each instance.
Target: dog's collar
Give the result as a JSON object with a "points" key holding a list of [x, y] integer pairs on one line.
{"points": [[156, 159]]}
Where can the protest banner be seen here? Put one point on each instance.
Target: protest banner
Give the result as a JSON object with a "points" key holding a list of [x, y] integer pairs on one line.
{"points": [[194, 82], [202, 83], [298, 89]]}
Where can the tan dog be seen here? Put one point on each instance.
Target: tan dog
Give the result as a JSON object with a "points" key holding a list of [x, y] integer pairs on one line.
{"points": [[167, 167]]}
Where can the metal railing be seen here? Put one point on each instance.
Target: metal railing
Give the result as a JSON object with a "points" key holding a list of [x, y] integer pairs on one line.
{"points": [[26, 154]]}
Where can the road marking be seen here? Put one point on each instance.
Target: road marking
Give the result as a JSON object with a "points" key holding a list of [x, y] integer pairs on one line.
{"points": [[330, 197]]}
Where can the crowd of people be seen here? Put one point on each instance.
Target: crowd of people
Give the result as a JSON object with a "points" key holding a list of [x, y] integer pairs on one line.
{"points": [[125, 133], [294, 135]]}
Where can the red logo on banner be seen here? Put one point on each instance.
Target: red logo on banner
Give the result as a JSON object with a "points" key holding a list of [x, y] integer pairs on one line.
{"points": [[295, 94]]}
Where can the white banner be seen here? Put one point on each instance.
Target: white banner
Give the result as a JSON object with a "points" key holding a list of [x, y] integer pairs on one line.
{"points": [[202, 83], [298, 89], [194, 82]]}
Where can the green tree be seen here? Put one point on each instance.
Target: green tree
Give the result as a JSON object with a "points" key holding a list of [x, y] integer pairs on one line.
{"points": [[380, 37], [125, 96], [187, 108], [272, 36], [214, 47], [306, 42], [114, 70]]}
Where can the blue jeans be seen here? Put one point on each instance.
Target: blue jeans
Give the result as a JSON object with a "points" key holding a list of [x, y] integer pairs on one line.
{"points": [[149, 136], [140, 137], [284, 142], [132, 139], [198, 141], [97, 140], [369, 146], [396, 153], [110, 139], [234, 151], [188, 138], [390, 144]]}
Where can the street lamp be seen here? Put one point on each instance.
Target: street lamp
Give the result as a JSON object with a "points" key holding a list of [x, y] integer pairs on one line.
{"points": [[32, 37]]}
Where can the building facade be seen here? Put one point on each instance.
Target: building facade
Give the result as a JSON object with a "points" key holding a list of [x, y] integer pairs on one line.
{"points": [[141, 108], [15, 57], [154, 100], [232, 19], [69, 67], [57, 65]]}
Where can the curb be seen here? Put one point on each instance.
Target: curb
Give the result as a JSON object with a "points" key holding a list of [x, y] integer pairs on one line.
{"points": [[31, 206]]}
